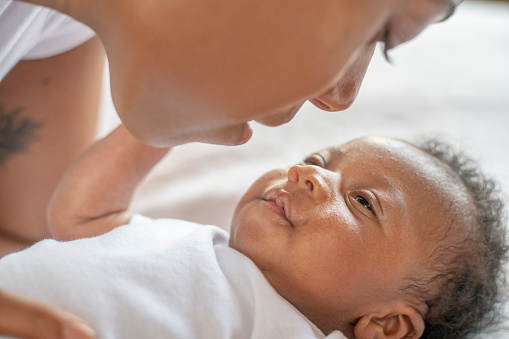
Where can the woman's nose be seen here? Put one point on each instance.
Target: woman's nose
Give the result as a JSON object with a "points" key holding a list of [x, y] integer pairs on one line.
{"points": [[339, 97], [310, 179], [343, 93]]}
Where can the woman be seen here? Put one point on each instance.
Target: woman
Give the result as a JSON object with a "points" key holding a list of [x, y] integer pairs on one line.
{"points": [[181, 72]]}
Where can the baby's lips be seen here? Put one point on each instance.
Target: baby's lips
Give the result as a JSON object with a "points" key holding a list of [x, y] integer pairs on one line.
{"points": [[281, 198]]}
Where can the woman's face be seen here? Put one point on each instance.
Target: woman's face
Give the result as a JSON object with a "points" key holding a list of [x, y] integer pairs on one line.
{"points": [[339, 234], [244, 63]]}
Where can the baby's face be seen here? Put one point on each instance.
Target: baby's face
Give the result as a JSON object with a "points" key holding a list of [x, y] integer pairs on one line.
{"points": [[338, 234]]}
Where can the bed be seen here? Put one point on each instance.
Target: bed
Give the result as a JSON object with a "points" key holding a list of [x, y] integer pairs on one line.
{"points": [[452, 82]]}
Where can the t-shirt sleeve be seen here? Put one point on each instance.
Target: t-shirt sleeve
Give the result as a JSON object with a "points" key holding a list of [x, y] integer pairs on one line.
{"points": [[59, 34]]}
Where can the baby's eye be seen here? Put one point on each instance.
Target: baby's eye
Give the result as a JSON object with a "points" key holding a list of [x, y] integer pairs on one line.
{"points": [[315, 160], [364, 202]]}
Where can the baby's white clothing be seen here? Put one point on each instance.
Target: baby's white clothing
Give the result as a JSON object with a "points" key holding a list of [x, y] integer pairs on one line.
{"points": [[34, 32], [157, 278]]}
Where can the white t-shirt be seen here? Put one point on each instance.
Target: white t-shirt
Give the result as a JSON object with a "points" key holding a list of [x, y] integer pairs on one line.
{"points": [[33, 32], [160, 278]]}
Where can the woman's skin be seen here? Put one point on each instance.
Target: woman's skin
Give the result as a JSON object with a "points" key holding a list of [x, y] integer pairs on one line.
{"points": [[60, 102], [24, 318], [186, 71]]}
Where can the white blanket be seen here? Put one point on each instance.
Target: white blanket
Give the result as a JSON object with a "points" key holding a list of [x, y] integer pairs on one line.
{"points": [[157, 279]]}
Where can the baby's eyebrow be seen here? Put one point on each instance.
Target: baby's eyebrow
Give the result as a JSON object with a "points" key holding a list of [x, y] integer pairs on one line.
{"points": [[392, 196]]}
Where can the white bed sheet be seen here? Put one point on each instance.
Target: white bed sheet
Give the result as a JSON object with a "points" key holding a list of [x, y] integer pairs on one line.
{"points": [[452, 81]]}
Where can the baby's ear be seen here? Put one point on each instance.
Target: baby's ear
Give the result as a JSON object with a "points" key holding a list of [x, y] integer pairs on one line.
{"points": [[406, 322]]}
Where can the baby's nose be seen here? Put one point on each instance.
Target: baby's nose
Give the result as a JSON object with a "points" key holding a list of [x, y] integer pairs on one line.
{"points": [[311, 179]]}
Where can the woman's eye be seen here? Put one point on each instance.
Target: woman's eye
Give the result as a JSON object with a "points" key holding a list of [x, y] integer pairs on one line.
{"points": [[315, 160], [363, 202]]}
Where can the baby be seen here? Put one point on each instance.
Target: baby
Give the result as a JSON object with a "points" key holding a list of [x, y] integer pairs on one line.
{"points": [[375, 238]]}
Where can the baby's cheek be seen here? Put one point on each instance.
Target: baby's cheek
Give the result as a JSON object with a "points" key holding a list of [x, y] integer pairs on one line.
{"points": [[246, 231]]}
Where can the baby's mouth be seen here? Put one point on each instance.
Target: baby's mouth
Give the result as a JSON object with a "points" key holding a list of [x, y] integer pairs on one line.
{"points": [[278, 201]]}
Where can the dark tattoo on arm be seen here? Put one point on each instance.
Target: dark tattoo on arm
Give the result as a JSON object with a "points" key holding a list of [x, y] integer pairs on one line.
{"points": [[16, 132]]}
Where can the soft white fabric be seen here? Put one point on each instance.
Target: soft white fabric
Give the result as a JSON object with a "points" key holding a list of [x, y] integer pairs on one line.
{"points": [[33, 32], [157, 279]]}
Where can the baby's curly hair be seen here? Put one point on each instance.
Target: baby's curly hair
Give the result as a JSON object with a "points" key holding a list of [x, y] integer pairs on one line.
{"points": [[467, 264]]}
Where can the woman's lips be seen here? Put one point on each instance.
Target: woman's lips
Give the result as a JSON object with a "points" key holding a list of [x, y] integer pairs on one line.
{"points": [[320, 104], [246, 134]]}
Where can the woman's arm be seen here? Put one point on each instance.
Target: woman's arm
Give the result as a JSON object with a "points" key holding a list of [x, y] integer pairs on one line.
{"points": [[49, 109], [94, 195]]}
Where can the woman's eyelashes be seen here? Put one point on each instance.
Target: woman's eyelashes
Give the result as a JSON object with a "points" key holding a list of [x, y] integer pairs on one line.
{"points": [[385, 46]]}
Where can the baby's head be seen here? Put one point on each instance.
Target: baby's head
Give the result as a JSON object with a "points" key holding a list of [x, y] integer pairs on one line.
{"points": [[377, 238]]}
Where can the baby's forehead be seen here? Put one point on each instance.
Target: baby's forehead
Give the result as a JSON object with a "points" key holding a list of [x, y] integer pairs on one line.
{"points": [[389, 151], [376, 144], [382, 150]]}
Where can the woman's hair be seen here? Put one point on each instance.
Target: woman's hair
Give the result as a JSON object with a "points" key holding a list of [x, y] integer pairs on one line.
{"points": [[468, 262]]}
